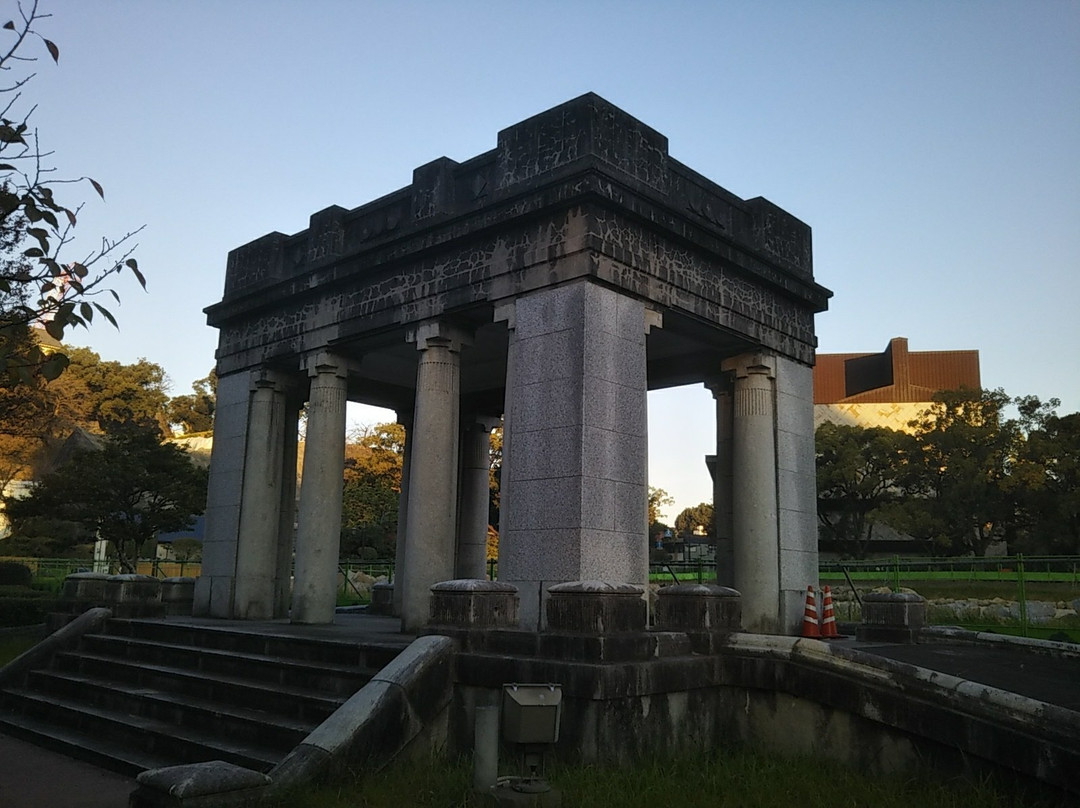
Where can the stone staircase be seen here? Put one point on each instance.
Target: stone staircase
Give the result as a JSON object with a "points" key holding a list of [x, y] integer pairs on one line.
{"points": [[143, 694]]}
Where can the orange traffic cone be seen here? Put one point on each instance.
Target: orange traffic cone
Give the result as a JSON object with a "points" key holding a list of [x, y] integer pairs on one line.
{"points": [[828, 619], [809, 620]]}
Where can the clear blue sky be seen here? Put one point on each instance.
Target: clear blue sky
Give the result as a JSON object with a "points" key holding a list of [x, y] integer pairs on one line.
{"points": [[933, 147]]}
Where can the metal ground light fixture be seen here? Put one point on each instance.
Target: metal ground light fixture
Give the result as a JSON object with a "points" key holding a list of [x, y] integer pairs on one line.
{"points": [[531, 714], [530, 718]]}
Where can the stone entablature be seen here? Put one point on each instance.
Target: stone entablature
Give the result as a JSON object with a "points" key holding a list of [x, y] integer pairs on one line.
{"points": [[583, 190]]}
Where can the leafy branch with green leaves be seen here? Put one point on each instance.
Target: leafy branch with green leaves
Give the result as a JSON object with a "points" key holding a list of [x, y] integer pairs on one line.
{"points": [[37, 286]]}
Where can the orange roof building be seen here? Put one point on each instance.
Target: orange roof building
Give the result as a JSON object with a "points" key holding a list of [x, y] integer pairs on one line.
{"points": [[888, 388]]}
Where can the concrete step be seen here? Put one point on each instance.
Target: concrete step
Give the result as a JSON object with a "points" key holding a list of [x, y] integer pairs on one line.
{"points": [[249, 724], [324, 677], [294, 703], [149, 693], [90, 748], [158, 738], [368, 655]]}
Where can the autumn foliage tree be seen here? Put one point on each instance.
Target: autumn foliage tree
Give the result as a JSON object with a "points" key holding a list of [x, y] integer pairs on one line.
{"points": [[369, 507]]}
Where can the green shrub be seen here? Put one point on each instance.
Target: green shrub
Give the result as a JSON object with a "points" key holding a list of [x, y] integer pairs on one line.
{"points": [[12, 572], [25, 611]]}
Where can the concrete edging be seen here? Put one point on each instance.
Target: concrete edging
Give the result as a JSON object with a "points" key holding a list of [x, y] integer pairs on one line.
{"points": [[65, 637], [972, 697], [381, 718], [1063, 650]]}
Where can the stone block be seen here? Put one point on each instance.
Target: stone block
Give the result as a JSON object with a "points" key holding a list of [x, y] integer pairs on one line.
{"points": [[796, 492], [547, 453], [631, 508], [550, 504], [595, 607], [538, 555], [382, 598], [84, 588], [550, 310], [599, 403], [798, 569], [178, 595], [698, 607], [199, 785], [597, 504], [608, 555], [547, 404], [134, 596], [474, 604], [631, 319], [892, 616], [601, 308]]}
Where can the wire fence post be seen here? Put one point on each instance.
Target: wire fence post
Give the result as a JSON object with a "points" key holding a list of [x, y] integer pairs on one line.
{"points": [[896, 573], [1022, 591]]}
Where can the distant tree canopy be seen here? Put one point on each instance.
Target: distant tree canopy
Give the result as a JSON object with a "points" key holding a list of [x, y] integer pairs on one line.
{"points": [[967, 476], [700, 515], [861, 472], [93, 394], [374, 458], [194, 412], [127, 492], [658, 500]]}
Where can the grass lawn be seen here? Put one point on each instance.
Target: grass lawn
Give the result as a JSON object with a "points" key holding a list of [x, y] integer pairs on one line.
{"points": [[11, 645], [729, 778]]}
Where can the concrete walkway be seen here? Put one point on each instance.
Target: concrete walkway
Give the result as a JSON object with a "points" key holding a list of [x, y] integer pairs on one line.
{"points": [[32, 777], [1041, 677]]}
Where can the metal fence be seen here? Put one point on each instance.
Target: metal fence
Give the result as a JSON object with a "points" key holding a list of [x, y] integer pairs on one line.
{"points": [[60, 568], [1006, 577]]}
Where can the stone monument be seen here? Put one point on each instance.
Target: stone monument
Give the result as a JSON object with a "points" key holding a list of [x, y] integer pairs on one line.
{"points": [[551, 281]]}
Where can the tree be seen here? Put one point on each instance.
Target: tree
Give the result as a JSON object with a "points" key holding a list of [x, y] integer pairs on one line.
{"points": [[372, 485], [700, 515], [861, 473], [195, 412], [658, 500], [36, 417], [96, 393], [134, 487], [964, 498], [37, 285], [1049, 464], [495, 457]]}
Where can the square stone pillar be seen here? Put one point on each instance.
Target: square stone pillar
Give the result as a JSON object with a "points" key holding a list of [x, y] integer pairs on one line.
{"points": [[720, 469], [575, 444], [796, 481], [214, 587]]}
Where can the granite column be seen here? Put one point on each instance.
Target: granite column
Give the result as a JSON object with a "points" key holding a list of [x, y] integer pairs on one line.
{"points": [[318, 536], [431, 520], [753, 491]]}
